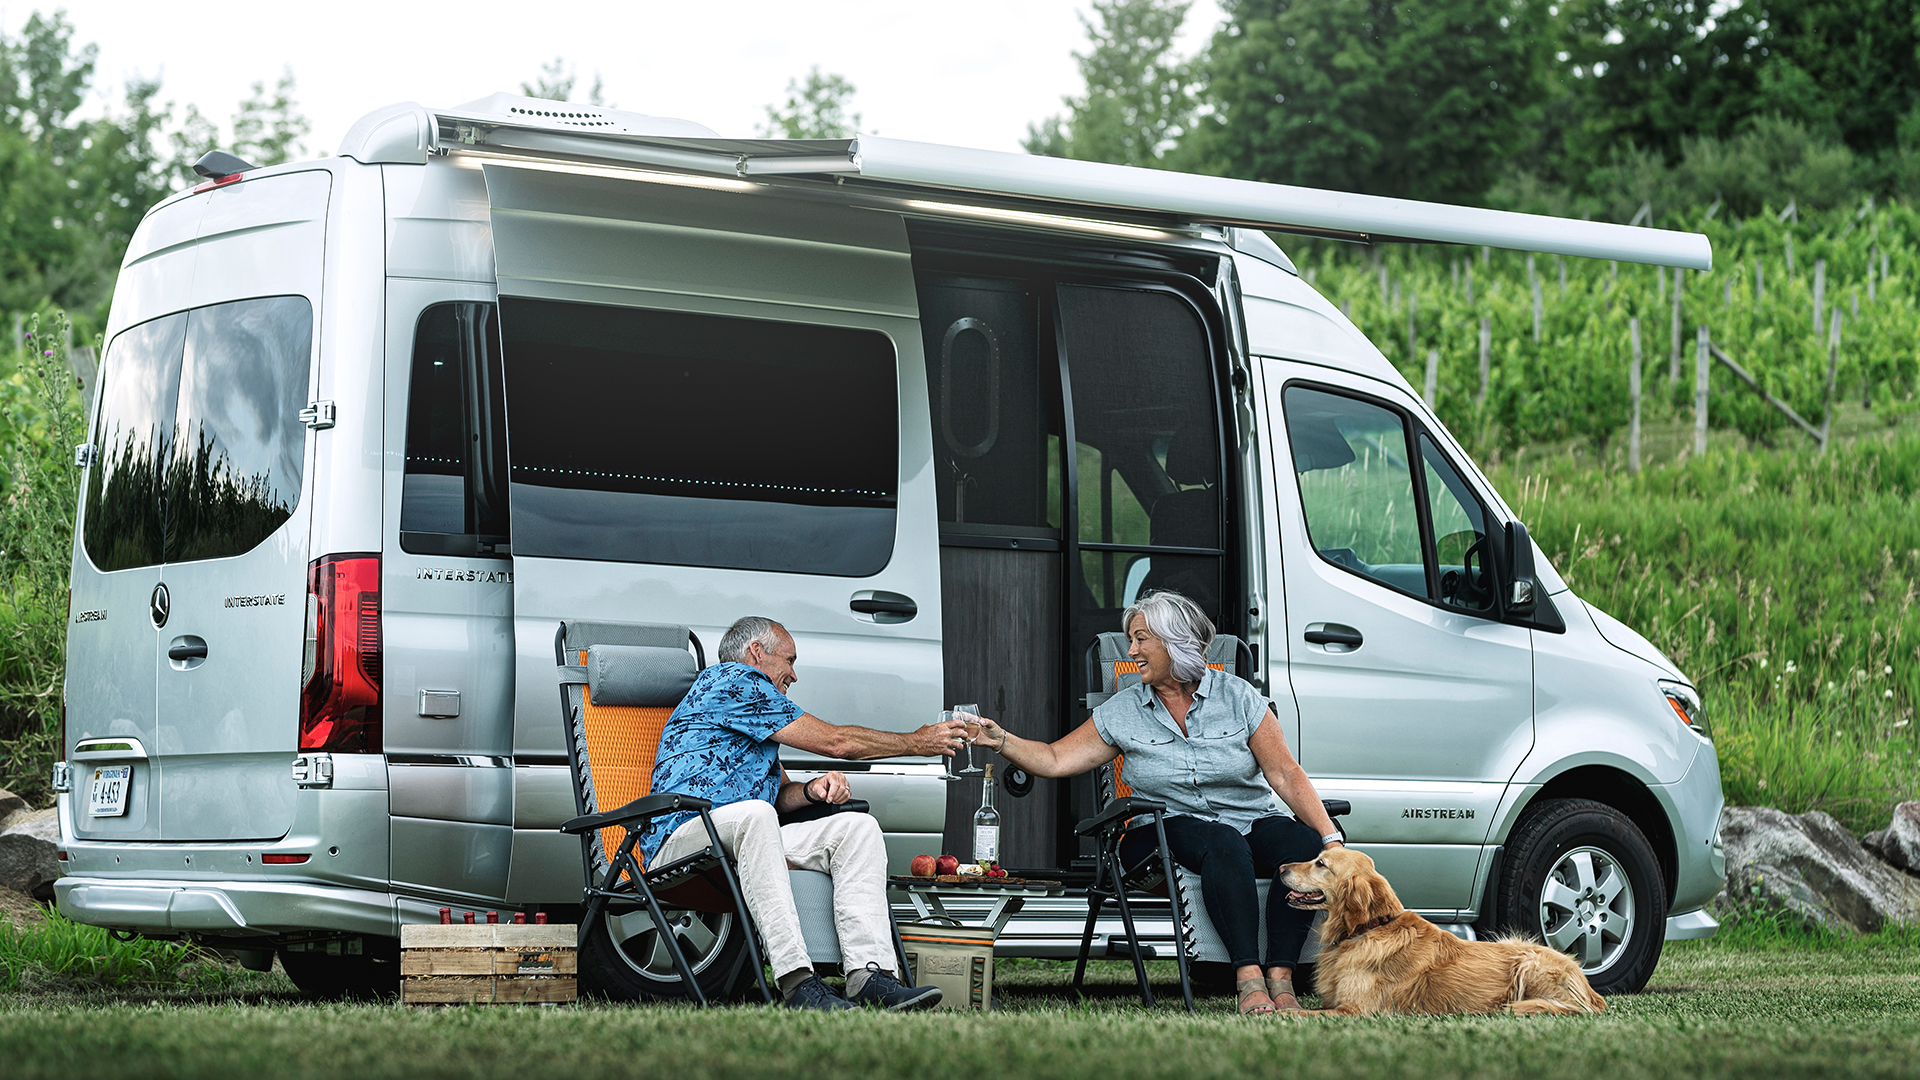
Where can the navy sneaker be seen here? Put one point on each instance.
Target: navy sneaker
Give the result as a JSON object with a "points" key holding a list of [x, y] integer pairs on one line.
{"points": [[814, 994], [883, 991]]}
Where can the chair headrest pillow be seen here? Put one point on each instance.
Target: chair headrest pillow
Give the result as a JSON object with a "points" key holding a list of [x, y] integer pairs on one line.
{"points": [[645, 675]]}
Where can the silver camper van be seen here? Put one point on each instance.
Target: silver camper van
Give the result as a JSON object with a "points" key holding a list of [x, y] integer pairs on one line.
{"points": [[369, 428]]}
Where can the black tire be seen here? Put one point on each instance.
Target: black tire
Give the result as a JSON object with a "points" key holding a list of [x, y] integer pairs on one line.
{"points": [[372, 975], [1608, 904], [623, 959]]}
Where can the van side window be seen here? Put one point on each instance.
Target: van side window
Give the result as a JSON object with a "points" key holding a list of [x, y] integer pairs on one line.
{"points": [[1459, 533], [700, 440], [142, 378], [453, 494], [1356, 487], [201, 444]]}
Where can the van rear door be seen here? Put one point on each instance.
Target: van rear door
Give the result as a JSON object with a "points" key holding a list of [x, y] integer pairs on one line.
{"points": [[195, 504], [716, 407]]}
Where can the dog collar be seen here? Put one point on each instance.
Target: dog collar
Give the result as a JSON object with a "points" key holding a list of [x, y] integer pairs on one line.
{"points": [[1373, 925]]}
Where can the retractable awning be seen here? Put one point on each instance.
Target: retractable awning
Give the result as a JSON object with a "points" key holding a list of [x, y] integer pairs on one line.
{"points": [[909, 170]]}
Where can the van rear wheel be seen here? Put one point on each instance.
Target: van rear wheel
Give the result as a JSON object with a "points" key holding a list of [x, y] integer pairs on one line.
{"points": [[625, 956], [1581, 877]]}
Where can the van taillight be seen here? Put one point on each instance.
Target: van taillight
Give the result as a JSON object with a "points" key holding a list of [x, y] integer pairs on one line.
{"points": [[340, 695]]}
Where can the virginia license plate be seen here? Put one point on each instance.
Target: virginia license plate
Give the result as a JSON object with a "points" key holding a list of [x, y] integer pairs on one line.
{"points": [[108, 797]]}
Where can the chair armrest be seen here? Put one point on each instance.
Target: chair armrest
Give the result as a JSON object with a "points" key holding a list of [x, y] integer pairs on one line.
{"points": [[646, 806], [816, 811], [1337, 807], [1117, 811]]}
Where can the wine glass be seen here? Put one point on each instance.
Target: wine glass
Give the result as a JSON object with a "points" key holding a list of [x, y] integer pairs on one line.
{"points": [[946, 763], [970, 716]]}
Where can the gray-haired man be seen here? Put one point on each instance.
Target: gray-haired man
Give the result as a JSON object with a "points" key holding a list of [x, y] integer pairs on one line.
{"points": [[722, 743]]}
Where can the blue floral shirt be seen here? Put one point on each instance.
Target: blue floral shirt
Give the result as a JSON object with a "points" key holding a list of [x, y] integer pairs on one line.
{"points": [[718, 744]]}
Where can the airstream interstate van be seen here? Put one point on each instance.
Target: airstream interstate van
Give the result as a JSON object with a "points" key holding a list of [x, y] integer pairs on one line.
{"points": [[369, 428]]}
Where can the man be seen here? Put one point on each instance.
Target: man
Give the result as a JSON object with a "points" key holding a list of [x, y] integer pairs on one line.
{"points": [[722, 743]]}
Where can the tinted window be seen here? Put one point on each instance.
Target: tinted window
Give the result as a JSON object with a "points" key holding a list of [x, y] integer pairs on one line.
{"points": [[201, 446], [1356, 486], [453, 497], [141, 376], [699, 440], [238, 447]]}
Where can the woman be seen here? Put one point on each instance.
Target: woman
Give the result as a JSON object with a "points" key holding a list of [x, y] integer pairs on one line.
{"points": [[1206, 744]]}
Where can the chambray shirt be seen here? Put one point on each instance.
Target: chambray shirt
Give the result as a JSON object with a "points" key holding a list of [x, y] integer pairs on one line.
{"points": [[1209, 773], [718, 744]]}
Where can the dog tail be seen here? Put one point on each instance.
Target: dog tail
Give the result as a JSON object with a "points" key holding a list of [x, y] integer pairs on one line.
{"points": [[1559, 983]]}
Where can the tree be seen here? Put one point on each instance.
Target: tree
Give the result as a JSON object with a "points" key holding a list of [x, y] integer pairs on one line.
{"points": [[1848, 66], [556, 83], [1140, 96], [268, 130], [1416, 98], [815, 109]]}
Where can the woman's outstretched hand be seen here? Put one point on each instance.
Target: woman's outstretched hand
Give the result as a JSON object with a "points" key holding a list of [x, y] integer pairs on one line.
{"points": [[992, 736]]}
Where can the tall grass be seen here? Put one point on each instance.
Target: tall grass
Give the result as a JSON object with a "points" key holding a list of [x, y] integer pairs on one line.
{"points": [[62, 953], [1784, 583], [40, 421]]}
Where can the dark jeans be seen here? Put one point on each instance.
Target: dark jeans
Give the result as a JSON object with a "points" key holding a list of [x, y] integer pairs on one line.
{"points": [[1227, 864]]}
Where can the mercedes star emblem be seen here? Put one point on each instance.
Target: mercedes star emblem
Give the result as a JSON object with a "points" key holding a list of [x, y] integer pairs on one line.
{"points": [[159, 604]]}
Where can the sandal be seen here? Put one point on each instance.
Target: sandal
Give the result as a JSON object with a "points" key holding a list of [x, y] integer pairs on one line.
{"points": [[1246, 989], [1279, 988]]}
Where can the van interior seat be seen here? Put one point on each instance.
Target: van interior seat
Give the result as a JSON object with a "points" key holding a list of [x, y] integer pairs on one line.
{"points": [[1187, 516]]}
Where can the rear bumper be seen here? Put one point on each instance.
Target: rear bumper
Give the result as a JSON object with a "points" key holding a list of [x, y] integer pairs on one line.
{"points": [[1691, 926], [228, 908]]}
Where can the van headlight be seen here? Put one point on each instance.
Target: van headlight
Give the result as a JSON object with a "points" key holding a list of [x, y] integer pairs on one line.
{"points": [[1685, 701]]}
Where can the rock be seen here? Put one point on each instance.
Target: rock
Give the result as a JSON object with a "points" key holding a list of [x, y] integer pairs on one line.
{"points": [[1812, 866], [1899, 843], [10, 804], [28, 840]]}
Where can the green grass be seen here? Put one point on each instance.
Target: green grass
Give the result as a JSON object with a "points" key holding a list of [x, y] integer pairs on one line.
{"points": [[1763, 1001]]}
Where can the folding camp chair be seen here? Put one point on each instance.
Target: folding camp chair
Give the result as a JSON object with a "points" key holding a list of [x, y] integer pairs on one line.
{"points": [[616, 696], [616, 699], [1121, 811]]}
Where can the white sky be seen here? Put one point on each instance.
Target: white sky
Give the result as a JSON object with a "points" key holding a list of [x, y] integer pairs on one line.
{"points": [[970, 75]]}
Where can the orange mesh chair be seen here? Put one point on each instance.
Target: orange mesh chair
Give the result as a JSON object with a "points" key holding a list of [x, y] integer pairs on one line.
{"points": [[621, 685]]}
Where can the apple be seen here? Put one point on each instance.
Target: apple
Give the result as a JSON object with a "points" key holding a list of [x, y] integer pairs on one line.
{"points": [[923, 866], [946, 864]]}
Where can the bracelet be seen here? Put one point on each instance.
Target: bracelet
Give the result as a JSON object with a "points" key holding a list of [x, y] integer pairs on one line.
{"points": [[807, 790], [1332, 838], [1003, 742]]}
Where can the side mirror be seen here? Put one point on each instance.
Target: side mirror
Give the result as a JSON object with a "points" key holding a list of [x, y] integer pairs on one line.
{"points": [[1519, 588]]}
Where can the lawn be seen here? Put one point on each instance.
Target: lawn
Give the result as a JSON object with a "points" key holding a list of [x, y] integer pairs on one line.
{"points": [[1758, 1003]]}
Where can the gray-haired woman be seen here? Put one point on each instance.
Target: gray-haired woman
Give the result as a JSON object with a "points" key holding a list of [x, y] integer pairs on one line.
{"points": [[1207, 744]]}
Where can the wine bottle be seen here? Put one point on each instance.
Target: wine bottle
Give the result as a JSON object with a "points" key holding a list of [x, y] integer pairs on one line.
{"points": [[986, 824]]}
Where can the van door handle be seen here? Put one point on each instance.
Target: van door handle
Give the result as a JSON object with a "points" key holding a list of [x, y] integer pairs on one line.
{"points": [[883, 607], [1334, 634], [188, 651]]}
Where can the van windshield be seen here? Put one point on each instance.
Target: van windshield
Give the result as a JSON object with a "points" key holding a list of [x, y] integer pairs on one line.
{"points": [[699, 440]]}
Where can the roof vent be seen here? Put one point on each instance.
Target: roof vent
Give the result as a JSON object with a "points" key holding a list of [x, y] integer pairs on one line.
{"points": [[520, 110], [218, 165]]}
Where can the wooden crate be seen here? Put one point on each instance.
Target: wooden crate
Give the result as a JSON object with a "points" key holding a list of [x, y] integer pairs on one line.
{"points": [[488, 964]]}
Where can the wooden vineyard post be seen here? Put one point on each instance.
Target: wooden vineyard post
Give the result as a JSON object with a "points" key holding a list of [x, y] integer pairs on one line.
{"points": [[1536, 309], [1433, 379], [1413, 306], [1819, 296], [1673, 360], [1633, 388], [1833, 369], [1700, 394], [1486, 351]]}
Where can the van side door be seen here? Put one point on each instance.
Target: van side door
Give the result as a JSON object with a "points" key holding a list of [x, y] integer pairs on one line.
{"points": [[1415, 701]]}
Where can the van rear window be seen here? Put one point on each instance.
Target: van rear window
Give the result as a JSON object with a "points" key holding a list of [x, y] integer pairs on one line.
{"points": [[201, 446], [699, 440]]}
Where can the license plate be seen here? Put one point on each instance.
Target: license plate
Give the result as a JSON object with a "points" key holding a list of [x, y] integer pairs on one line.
{"points": [[108, 797]]}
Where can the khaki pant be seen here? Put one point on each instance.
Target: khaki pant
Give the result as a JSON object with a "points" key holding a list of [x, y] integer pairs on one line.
{"points": [[846, 847]]}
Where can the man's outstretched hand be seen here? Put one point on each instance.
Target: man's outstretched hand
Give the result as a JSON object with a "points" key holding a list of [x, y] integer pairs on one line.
{"points": [[941, 738]]}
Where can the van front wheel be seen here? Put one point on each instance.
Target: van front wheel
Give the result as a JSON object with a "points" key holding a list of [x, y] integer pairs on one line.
{"points": [[626, 959], [1581, 877]]}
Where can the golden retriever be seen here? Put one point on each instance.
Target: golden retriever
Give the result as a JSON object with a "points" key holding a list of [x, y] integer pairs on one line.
{"points": [[1378, 957]]}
